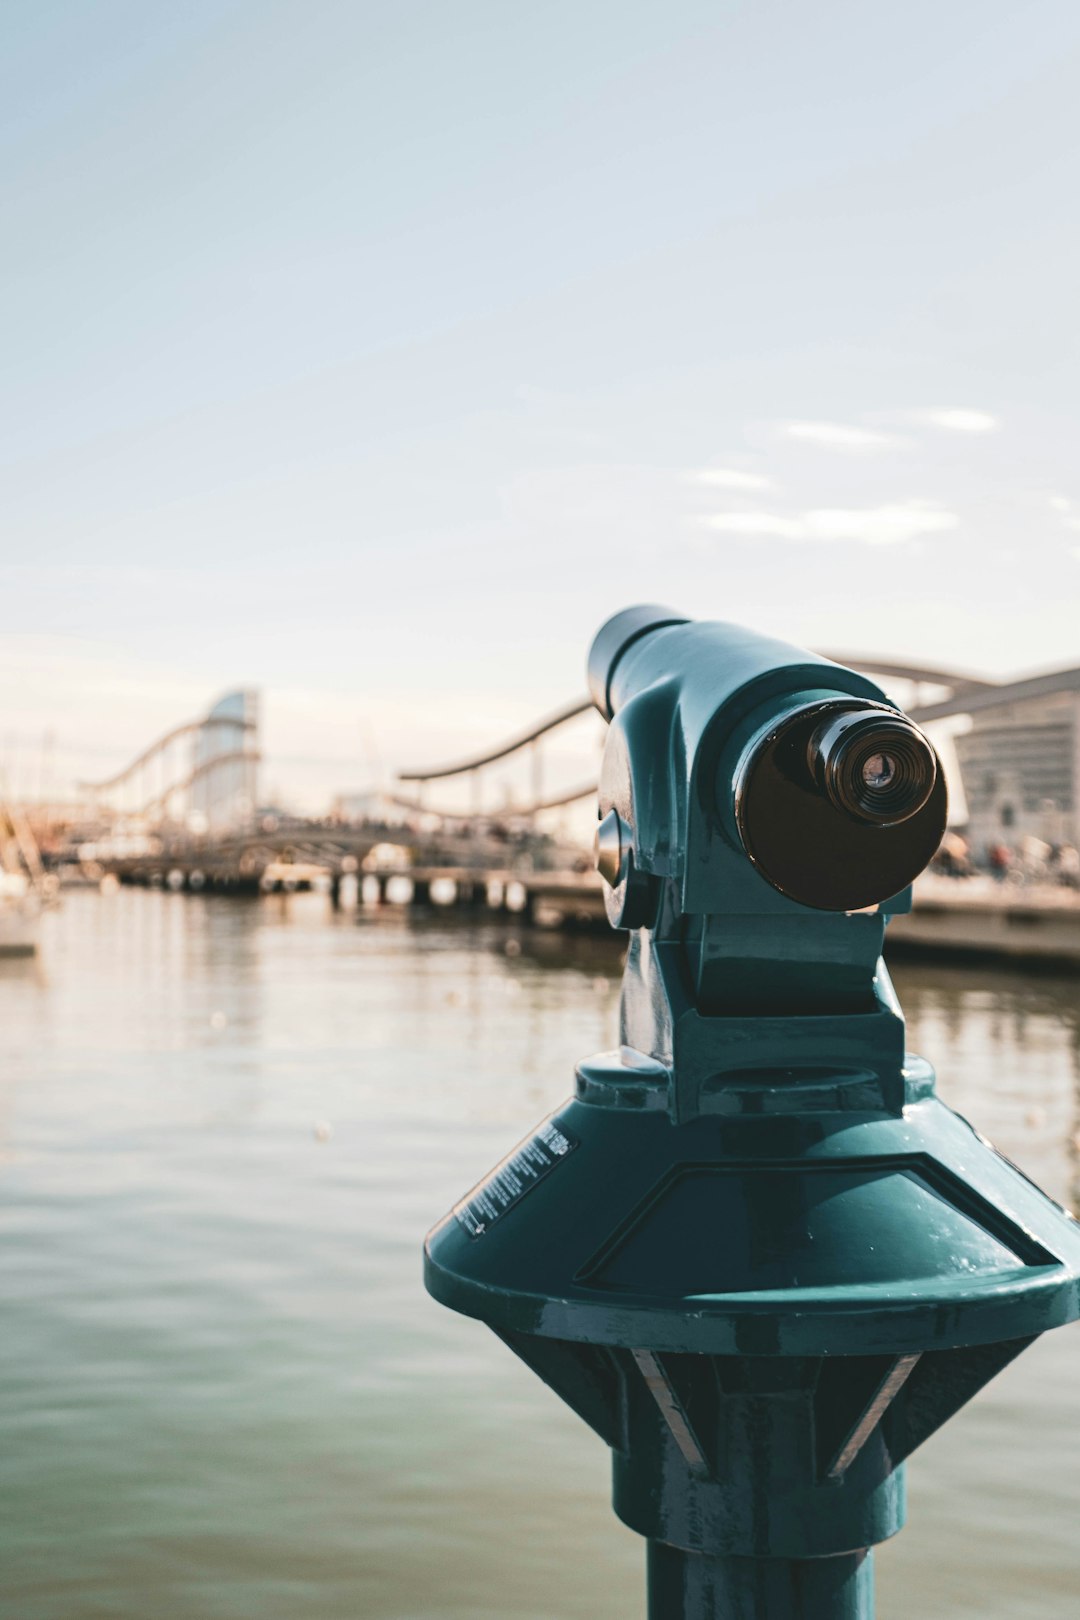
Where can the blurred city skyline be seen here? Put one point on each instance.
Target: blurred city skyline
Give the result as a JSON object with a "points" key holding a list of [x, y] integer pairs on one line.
{"points": [[371, 356]]}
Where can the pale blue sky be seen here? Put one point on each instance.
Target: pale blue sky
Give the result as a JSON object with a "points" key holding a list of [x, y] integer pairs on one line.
{"points": [[373, 353]]}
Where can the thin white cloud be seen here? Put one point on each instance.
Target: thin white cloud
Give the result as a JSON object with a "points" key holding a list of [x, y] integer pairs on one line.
{"points": [[731, 478], [961, 421], [869, 526], [1067, 510], [842, 436], [748, 523]]}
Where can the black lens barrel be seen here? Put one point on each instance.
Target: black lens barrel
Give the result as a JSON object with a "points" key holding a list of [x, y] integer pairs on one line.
{"points": [[840, 804], [877, 767]]}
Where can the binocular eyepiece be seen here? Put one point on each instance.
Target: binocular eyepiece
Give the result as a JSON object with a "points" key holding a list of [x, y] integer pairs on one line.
{"points": [[876, 766], [837, 799]]}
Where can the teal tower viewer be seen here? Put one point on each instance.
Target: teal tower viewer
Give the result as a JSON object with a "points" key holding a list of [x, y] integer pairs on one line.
{"points": [[753, 1250]]}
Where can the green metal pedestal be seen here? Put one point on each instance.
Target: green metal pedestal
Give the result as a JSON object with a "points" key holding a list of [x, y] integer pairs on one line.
{"points": [[693, 1586], [754, 1251]]}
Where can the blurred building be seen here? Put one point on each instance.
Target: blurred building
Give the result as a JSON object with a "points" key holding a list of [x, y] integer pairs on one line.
{"points": [[224, 785], [1020, 765]]}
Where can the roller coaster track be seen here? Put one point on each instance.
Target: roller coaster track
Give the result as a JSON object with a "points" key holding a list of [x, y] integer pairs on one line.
{"points": [[920, 674], [513, 812], [188, 728], [987, 696], [552, 722], [242, 756], [966, 691], [966, 694]]}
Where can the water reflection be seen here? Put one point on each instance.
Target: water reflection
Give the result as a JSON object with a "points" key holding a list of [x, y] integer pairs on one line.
{"points": [[223, 1392], [1007, 1051]]}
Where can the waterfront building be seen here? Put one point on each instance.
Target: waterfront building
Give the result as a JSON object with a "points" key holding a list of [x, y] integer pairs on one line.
{"points": [[1020, 767], [224, 785]]}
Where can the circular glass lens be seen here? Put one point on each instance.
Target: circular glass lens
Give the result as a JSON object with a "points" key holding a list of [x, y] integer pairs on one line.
{"points": [[873, 764], [879, 770]]}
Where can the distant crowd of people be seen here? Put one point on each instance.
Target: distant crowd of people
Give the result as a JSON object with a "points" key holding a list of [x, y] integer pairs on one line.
{"points": [[1031, 860]]}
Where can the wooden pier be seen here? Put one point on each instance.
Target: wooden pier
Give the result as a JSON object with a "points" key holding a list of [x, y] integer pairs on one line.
{"points": [[978, 918], [973, 918]]}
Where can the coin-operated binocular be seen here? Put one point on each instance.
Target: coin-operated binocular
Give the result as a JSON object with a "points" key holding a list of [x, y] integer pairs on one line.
{"points": [[754, 1251]]}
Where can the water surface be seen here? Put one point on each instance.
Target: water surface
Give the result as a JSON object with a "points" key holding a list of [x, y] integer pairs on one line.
{"points": [[224, 1128]]}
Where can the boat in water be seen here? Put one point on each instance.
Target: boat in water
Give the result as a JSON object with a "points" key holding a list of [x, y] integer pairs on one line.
{"points": [[20, 915], [24, 885]]}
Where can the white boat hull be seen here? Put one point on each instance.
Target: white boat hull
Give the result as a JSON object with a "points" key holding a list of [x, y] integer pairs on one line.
{"points": [[19, 920]]}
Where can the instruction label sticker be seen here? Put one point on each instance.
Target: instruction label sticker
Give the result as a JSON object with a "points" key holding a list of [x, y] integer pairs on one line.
{"points": [[518, 1173]]}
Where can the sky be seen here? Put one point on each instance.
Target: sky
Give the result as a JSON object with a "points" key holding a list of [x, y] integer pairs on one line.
{"points": [[371, 355]]}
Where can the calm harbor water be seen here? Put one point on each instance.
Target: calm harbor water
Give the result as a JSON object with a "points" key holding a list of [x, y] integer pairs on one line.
{"points": [[224, 1395]]}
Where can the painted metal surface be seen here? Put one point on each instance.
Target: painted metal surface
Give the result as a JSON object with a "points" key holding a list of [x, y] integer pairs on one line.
{"points": [[770, 1263]]}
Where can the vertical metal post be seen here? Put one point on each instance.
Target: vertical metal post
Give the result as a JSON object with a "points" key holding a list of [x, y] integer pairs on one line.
{"points": [[536, 762], [691, 1586]]}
